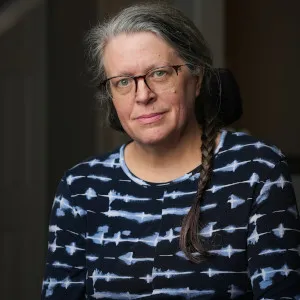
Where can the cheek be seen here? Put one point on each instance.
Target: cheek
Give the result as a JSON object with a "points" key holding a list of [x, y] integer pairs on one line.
{"points": [[182, 103], [123, 111]]}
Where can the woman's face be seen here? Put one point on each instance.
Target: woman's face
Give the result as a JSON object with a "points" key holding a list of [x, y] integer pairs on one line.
{"points": [[151, 117]]}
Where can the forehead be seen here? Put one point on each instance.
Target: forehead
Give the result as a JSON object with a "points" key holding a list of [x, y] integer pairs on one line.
{"points": [[136, 53]]}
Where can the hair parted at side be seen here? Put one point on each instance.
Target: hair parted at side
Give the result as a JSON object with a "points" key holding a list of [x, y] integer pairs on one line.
{"points": [[183, 36]]}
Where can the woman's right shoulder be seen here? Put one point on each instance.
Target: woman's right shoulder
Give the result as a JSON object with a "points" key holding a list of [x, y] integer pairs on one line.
{"points": [[96, 163], [89, 177], [92, 171]]}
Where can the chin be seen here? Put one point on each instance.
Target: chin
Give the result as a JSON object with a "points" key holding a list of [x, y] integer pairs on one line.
{"points": [[153, 139], [153, 135]]}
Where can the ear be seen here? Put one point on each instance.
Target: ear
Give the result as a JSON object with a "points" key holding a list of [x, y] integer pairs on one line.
{"points": [[198, 85]]}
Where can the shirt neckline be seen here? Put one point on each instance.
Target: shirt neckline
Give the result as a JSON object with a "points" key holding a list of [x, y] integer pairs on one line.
{"points": [[192, 175]]}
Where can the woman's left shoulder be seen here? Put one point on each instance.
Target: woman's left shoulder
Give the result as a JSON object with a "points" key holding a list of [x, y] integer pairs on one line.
{"points": [[251, 147]]}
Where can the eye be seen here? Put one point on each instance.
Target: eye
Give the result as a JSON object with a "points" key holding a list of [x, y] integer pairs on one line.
{"points": [[123, 82], [159, 73]]}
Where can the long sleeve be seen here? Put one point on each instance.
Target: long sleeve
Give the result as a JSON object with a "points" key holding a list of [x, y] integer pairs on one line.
{"points": [[65, 266], [274, 237]]}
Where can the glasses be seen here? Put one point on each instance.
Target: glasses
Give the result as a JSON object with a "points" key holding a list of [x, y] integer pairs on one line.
{"points": [[158, 80]]}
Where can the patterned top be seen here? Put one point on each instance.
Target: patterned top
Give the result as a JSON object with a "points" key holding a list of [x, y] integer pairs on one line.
{"points": [[115, 236]]}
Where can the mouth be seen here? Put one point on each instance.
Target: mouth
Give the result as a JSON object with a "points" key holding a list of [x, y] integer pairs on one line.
{"points": [[150, 118]]}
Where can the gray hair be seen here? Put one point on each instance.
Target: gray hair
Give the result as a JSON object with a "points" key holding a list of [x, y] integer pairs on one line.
{"points": [[163, 20]]}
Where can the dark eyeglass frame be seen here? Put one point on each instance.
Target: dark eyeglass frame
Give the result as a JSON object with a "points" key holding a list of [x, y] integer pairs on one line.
{"points": [[135, 78]]}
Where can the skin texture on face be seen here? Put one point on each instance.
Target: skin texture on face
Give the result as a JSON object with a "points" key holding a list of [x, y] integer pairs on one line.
{"points": [[152, 119]]}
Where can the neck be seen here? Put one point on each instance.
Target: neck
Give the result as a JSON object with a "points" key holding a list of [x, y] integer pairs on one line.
{"points": [[166, 161]]}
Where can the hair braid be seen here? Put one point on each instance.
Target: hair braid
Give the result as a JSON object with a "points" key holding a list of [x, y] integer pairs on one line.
{"points": [[189, 236]]}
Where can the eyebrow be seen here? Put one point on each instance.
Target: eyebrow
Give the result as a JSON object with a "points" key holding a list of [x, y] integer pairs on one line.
{"points": [[149, 68]]}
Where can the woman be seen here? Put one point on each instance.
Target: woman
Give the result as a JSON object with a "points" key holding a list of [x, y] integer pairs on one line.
{"points": [[186, 209]]}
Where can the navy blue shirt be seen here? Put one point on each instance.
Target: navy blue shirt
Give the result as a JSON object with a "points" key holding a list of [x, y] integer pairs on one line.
{"points": [[115, 236]]}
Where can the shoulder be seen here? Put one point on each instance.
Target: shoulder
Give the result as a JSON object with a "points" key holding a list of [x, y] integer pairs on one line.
{"points": [[241, 145], [94, 166]]}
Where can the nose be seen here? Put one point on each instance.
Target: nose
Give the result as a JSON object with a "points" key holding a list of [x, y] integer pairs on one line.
{"points": [[143, 94]]}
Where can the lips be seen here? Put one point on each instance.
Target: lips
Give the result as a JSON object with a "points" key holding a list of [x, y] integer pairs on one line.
{"points": [[150, 118]]}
